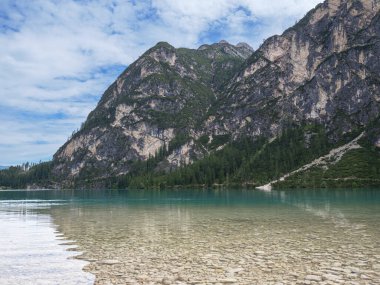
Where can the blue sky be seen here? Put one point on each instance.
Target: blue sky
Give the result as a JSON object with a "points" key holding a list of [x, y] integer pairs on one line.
{"points": [[57, 57]]}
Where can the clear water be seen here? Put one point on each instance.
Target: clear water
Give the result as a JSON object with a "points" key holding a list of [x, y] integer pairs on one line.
{"points": [[31, 250], [190, 237]]}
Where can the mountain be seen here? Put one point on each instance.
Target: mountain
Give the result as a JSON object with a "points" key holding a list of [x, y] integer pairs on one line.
{"points": [[323, 69], [301, 110], [3, 167], [161, 99]]}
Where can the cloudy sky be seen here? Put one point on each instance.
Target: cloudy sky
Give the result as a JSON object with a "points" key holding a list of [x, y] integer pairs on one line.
{"points": [[57, 57]]}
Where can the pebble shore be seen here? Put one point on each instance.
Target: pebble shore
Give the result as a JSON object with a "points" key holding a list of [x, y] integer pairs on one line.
{"points": [[244, 246]]}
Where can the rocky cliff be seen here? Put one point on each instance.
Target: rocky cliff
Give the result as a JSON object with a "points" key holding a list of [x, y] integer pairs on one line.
{"points": [[161, 100], [325, 69], [184, 104]]}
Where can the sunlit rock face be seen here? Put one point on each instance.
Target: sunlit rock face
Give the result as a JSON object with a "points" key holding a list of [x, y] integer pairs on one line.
{"points": [[324, 69], [164, 95]]}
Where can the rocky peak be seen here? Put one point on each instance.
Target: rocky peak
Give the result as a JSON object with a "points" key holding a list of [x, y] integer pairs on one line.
{"points": [[245, 49], [316, 70], [163, 96], [163, 52], [241, 50], [325, 69], [245, 45]]}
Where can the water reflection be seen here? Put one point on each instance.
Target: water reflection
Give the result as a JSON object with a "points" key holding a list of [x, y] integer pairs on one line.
{"points": [[241, 236], [30, 250], [247, 237]]}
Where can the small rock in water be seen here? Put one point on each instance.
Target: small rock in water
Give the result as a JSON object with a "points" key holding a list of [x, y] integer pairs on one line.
{"points": [[313, 278], [330, 277], [235, 270], [166, 281], [109, 261], [227, 280], [364, 277]]}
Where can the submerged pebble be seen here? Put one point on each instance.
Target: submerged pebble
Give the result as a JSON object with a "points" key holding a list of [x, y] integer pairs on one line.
{"points": [[220, 245]]}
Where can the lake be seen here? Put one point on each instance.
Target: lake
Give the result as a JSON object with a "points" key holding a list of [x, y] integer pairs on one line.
{"points": [[190, 237]]}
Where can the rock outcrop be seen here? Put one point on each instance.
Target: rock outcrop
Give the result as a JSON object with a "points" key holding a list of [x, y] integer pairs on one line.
{"points": [[325, 69], [159, 101]]}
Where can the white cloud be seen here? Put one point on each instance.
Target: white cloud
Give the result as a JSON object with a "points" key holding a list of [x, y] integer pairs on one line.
{"points": [[57, 57]]}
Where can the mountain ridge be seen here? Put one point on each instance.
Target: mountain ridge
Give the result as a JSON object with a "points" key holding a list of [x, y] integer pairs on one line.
{"points": [[224, 113], [278, 72], [285, 62], [159, 97]]}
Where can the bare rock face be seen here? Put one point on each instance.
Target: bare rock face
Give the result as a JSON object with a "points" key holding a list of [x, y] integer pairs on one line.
{"points": [[325, 69], [158, 102]]}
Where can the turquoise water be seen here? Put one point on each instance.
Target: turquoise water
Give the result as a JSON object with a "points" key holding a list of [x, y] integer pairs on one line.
{"points": [[191, 237]]}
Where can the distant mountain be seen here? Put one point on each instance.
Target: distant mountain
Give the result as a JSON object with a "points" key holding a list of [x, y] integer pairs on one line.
{"points": [[162, 99], [325, 69], [3, 167], [304, 107]]}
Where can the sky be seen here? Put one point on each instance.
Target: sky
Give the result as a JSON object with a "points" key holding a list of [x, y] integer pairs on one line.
{"points": [[57, 57]]}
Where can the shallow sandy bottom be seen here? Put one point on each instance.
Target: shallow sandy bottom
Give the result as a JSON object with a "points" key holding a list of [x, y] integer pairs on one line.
{"points": [[190, 244]]}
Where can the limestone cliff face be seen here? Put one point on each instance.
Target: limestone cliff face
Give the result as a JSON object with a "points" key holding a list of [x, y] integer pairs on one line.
{"points": [[158, 101], [324, 69]]}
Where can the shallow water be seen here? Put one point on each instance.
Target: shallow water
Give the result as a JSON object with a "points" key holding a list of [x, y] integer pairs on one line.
{"points": [[31, 250], [203, 236]]}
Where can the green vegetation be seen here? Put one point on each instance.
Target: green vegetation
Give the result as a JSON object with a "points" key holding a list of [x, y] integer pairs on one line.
{"points": [[216, 168], [358, 168], [246, 161], [242, 162], [26, 174], [294, 148], [219, 140]]}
